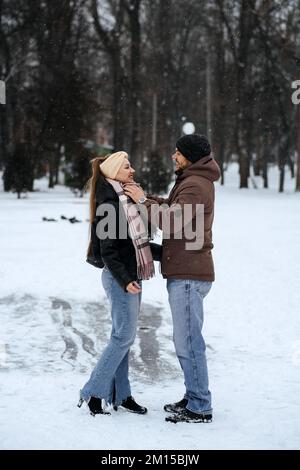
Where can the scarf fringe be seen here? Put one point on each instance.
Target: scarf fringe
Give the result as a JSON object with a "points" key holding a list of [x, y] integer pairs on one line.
{"points": [[145, 272]]}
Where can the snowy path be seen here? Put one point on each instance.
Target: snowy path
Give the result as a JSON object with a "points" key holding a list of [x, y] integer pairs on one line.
{"points": [[56, 335]]}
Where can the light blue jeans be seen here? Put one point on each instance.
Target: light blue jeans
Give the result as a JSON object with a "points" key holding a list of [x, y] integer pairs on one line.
{"points": [[186, 302], [109, 379]]}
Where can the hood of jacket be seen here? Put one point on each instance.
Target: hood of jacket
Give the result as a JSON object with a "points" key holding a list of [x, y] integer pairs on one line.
{"points": [[206, 167]]}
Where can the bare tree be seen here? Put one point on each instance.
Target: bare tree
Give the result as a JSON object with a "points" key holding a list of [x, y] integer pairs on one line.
{"points": [[111, 40]]}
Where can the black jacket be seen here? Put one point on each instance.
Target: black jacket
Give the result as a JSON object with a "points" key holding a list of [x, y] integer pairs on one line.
{"points": [[116, 254]]}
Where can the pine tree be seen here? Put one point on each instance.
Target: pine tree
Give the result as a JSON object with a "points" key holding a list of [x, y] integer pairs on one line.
{"points": [[78, 171], [18, 172]]}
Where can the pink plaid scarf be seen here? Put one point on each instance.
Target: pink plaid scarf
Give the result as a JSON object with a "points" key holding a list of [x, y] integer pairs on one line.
{"points": [[138, 233]]}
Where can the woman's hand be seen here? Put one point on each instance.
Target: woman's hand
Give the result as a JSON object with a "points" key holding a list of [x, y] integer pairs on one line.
{"points": [[133, 191], [133, 288]]}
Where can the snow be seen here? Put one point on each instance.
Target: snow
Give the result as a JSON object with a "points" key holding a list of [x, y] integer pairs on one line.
{"points": [[54, 323]]}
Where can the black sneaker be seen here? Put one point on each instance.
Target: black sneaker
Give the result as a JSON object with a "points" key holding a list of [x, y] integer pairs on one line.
{"points": [[131, 405], [187, 416], [176, 407]]}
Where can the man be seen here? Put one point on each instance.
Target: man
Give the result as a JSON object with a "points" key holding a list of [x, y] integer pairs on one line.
{"points": [[189, 272]]}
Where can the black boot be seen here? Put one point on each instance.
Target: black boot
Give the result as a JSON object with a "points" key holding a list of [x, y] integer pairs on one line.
{"points": [[188, 416], [131, 405], [176, 407], [95, 406]]}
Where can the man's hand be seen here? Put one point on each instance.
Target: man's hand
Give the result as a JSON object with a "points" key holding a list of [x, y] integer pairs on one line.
{"points": [[134, 192], [133, 288]]}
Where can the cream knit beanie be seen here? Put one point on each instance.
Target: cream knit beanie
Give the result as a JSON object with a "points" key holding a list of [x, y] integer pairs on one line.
{"points": [[112, 164]]}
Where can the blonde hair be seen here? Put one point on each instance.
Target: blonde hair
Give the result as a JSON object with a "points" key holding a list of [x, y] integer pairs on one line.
{"points": [[91, 186]]}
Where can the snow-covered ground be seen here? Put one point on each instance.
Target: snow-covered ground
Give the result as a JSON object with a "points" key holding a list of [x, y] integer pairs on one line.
{"points": [[54, 323]]}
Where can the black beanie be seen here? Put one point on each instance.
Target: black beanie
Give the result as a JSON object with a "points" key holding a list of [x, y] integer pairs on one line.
{"points": [[193, 147]]}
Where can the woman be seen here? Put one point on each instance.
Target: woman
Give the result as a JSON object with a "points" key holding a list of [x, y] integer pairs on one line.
{"points": [[126, 260]]}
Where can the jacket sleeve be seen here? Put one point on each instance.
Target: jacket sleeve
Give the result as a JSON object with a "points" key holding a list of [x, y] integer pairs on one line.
{"points": [[158, 200], [164, 216], [111, 258]]}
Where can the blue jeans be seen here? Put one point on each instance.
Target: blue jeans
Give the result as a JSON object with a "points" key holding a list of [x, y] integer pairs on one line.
{"points": [[186, 302], [109, 379]]}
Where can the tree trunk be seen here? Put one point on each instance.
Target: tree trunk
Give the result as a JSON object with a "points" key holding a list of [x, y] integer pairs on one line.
{"points": [[284, 150], [219, 106], [154, 122], [298, 149], [298, 170], [57, 164], [247, 9], [3, 127], [51, 171], [265, 169], [135, 84], [291, 167], [244, 168], [56, 174], [208, 99], [281, 178], [118, 121]]}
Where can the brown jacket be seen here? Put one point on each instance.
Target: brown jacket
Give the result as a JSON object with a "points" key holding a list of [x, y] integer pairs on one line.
{"points": [[193, 186]]}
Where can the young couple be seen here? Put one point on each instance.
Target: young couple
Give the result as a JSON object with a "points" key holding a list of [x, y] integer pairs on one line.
{"points": [[127, 261]]}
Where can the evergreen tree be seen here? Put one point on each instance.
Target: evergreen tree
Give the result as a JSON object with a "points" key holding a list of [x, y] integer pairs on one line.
{"points": [[78, 170], [18, 172]]}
